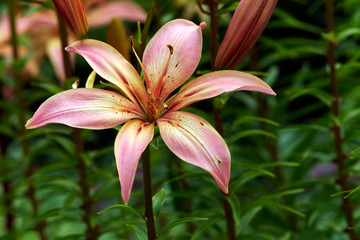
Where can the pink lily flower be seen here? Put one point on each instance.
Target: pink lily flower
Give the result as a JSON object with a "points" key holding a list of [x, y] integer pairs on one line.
{"points": [[170, 58]]}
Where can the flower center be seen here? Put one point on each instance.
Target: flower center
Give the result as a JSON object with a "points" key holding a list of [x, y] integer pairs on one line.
{"points": [[155, 106]]}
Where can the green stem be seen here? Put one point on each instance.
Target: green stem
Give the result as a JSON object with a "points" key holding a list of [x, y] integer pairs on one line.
{"points": [[39, 227], [341, 156], [149, 215]]}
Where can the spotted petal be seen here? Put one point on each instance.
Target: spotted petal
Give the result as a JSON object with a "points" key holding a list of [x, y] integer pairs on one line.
{"points": [[186, 40], [215, 83], [130, 143], [195, 141], [85, 108], [112, 66]]}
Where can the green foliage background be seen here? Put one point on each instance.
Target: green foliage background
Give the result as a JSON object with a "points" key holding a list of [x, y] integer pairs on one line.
{"points": [[283, 180]]}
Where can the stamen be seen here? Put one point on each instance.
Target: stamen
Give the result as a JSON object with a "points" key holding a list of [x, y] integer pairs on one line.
{"points": [[162, 103], [131, 42]]}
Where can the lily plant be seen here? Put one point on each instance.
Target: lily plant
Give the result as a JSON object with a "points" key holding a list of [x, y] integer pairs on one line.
{"points": [[169, 59]]}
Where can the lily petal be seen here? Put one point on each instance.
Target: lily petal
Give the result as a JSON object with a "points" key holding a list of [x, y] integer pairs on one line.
{"points": [[215, 83], [85, 108], [103, 13], [130, 143], [112, 66], [55, 54], [195, 141], [166, 75]]}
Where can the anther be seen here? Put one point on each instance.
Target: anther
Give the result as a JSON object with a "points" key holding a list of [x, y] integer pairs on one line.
{"points": [[170, 48], [162, 102], [131, 42]]}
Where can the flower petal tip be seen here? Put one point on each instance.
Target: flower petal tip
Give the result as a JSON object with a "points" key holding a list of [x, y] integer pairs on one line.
{"points": [[225, 189], [202, 25], [70, 49], [28, 125]]}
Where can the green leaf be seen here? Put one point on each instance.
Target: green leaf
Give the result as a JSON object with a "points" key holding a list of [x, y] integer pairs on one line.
{"points": [[287, 208], [287, 20], [48, 86], [204, 226], [141, 232], [353, 191], [158, 201], [248, 133], [275, 164], [322, 95], [247, 119], [180, 221], [247, 217], [254, 167], [347, 33], [235, 206], [123, 207]]}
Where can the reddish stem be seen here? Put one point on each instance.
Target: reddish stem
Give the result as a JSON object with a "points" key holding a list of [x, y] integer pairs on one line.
{"points": [[214, 27], [341, 157]]}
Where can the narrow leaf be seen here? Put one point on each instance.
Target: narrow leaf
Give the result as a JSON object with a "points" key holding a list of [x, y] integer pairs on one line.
{"points": [[203, 227], [235, 205], [247, 133], [287, 208], [141, 232], [180, 221], [124, 207], [158, 201]]}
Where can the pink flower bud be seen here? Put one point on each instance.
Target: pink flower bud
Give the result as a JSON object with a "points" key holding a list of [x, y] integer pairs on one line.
{"points": [[73, 13], [246, 26]]}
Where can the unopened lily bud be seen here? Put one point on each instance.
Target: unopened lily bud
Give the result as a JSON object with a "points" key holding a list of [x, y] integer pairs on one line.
{"points": [[246, 26], [73, 13], [116, 37]]}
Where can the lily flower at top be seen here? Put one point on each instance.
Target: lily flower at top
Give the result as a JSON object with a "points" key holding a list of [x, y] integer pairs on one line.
{"points": [[169, 59]]}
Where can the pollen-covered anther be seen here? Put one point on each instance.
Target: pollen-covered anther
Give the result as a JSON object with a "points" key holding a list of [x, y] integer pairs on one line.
{"points": [[131, 42], [162, 102], [170, 48]]}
